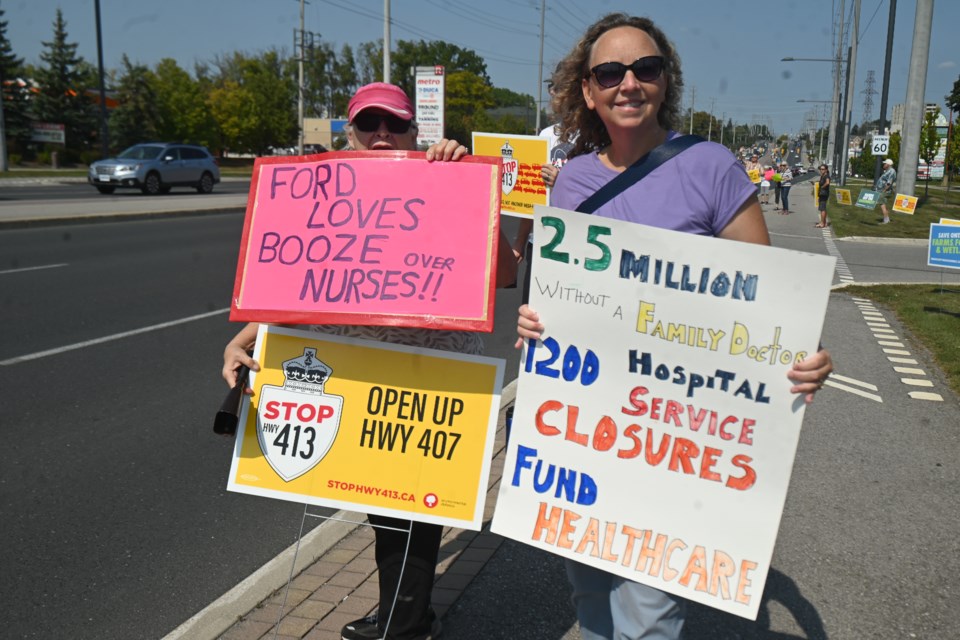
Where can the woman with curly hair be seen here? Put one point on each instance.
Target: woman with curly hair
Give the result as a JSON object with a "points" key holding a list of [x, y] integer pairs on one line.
{"points": [[620, 90]]}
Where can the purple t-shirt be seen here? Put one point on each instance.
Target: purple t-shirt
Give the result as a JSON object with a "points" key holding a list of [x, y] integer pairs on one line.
{"points": [[698, 191]]}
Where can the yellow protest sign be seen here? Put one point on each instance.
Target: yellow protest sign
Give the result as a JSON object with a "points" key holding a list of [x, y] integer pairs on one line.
{"points": [[368, 426], [905, 204], [522, 186], [754, 175], [843, 196]]}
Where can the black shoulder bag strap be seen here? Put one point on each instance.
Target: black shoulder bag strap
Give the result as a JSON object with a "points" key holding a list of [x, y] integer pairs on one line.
{"points": [[635, 172]]}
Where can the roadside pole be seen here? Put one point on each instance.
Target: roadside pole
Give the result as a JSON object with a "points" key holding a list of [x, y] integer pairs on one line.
{"points": [[916, 86]]}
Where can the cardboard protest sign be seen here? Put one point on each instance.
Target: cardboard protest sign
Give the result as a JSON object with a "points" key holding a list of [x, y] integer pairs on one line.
{"points": [[944, 246], [868, 198], [905, 204], [522, 186], [754, 175], [654, 431], [843, 196], [363, 425], [363, 237]]}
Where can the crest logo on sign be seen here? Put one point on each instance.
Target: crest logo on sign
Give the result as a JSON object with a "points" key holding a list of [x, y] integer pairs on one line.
{"points": [[511, 168], [298, 422]]}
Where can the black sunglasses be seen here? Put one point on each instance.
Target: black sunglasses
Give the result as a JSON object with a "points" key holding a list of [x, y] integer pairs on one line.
{"points": [[368, 122], [610, 74]]}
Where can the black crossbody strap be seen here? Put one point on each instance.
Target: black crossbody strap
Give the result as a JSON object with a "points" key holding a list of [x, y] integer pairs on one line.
{"points": [[635, 172]]}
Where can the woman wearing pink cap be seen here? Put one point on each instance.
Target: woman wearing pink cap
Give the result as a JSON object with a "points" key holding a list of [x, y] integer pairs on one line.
{"points": [[380, 117]]}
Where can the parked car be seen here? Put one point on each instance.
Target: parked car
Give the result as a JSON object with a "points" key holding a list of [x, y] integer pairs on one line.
{"points": [[156, 167], [799, 170]]}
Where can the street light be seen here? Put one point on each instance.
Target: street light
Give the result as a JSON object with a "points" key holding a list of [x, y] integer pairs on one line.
{"points": [[835, 110]]}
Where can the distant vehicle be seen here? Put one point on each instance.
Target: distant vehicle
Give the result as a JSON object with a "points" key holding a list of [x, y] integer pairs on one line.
{"points": [[155, 168], [799, 170]]}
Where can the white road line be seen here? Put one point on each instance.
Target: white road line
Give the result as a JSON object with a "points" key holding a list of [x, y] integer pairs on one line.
{"points": [[889, 343], [116, 336], [914, 382], [926, 395], [897, 352], [902, 360], [830, 383], [859, 383], [22, 269], [910, 370]]}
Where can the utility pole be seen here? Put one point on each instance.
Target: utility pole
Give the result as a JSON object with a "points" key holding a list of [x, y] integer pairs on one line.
{"points": [[913, 111], [710, 126], [3, 137], [835, 109], [693, 97], [851, 73], [723, 125], [543, 15], [104, 132], [300, 86], [386, 40], [886, 83]]}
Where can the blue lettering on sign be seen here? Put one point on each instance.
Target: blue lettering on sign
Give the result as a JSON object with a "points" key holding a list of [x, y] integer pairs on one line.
{"points": [[565, 480]]}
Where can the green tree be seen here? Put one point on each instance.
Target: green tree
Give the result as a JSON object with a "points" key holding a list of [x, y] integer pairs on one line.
{"points": [[953, 98], [369, 64], [862, 165], [16, 117], [256, 107], [346, 80], [929, 143], [410, 54], [182, 105], [62, 96], [137, 115]]}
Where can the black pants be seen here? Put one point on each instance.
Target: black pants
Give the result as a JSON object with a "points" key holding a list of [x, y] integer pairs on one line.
{"points": [[776, 193], [412, 615]]}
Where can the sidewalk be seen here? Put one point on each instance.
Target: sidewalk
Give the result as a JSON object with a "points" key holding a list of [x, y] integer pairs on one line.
{"points": [[341, 585]]}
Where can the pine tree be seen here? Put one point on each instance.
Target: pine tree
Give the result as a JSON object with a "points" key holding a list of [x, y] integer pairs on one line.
{"points": [[15, 114], [62, 96], [137, 118]]}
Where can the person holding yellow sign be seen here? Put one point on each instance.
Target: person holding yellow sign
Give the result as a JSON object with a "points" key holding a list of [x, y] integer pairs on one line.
{"points": [[380, 118], [620, 88]]}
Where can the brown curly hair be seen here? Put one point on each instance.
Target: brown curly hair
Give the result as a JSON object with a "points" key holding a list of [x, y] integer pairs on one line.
{"points": [[576, 119]]}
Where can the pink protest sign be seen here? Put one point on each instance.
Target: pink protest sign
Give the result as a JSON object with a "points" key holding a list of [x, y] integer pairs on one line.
{"points": [[374, 238]]}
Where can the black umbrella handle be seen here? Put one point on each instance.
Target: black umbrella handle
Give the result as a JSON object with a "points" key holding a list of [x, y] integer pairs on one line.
{"points": [[225, 422]]}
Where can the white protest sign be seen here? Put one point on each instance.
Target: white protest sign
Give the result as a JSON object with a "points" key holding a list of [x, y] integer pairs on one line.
{"points": [[654, 431], [880, 145]]}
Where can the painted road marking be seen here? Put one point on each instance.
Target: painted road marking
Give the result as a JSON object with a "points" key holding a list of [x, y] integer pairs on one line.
{"points": [[923, 395], [110, 338], [38, 268]]}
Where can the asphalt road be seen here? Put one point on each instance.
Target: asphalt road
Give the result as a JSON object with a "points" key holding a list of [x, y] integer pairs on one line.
{"points": [[76, 189], [115, 519]]}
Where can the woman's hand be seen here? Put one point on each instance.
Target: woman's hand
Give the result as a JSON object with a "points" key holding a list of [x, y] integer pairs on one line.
{"points": [[549, 174], [528, 325], [809, 374], [235, 354], [446, 150]]}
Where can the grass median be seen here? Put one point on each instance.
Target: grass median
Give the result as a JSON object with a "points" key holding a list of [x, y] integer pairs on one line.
{"points": [[931, 313], [853, 221]]}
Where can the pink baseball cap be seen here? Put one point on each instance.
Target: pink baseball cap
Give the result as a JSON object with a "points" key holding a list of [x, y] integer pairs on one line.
{"points": [[380, 95]]}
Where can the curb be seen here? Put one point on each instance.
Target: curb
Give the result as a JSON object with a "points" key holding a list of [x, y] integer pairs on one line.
{"points": [[217, 617], [123, 216]]}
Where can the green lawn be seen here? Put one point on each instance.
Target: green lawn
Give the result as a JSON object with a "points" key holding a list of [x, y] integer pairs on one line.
{"points": [[850, 220], [932, 314]]}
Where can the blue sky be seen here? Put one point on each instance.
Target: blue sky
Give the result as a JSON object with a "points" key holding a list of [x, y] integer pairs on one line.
{"points": [[731, 49]]}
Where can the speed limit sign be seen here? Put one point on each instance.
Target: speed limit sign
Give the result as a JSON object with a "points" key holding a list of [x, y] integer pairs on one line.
{"points": [[881, 144]]}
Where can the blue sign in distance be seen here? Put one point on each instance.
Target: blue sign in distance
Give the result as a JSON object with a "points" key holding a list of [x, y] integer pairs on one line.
{"points": [[944, 246]]}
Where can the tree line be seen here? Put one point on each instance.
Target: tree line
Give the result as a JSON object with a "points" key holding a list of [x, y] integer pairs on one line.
{"points": [[246, 102]]}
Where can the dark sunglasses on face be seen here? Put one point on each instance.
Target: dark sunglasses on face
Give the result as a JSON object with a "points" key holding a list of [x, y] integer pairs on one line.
{"points": [[368, 122], [611, 74]]}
